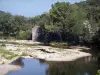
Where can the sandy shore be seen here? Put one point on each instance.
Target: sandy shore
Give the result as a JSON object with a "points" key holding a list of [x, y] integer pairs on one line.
{"points": [[4, 69]]}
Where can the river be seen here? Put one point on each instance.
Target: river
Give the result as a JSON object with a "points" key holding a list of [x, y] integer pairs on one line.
{"points": [[83, 66]]}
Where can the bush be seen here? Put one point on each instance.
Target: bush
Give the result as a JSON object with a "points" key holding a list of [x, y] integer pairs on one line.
{"points": [[23, 35], [59, 44], [98, 72]]}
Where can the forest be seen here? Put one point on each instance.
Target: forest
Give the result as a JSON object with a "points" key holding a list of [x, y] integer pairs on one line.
{"points": [[77, 23]]}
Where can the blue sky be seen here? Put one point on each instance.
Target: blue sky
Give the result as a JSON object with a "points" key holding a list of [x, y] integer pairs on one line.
{"points": [[29, 8]]}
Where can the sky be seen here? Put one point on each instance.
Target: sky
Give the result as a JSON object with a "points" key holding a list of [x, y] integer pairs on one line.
{"points": [[29, 8]]}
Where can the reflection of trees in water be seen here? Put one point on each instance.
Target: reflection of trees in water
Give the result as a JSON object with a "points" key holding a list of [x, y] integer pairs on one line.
{"points": [[81, 67]]}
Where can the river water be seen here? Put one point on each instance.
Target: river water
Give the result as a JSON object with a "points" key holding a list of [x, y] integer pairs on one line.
{"points": [[84, 66]]}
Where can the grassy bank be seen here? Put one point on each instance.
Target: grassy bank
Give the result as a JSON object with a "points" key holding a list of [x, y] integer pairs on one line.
{"points": [[63, 45], [7, 54], [3, 43]]}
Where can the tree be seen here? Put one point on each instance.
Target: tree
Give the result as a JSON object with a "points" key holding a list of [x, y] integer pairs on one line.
{"points": [[6, 24], [94, 18], [60, 16], [78, 17]]}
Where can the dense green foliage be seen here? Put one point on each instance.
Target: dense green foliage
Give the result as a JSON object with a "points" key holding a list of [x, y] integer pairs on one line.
{"points": [[76, 23], [98, 72], [13, 26]]}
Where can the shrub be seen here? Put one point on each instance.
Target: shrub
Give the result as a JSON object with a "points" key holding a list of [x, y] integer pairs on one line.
{"points": [[23, 35], [59, 44], [98, 72]]}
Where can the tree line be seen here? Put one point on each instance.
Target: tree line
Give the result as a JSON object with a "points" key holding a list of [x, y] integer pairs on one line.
{"points": [[76, 23]]}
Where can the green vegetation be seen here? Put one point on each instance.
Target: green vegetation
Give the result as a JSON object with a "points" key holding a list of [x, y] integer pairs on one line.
{"points": [[98, 72], [6, 42], [6, 54], [59, 45], [23, 35], [3, 43], [76, 23]]}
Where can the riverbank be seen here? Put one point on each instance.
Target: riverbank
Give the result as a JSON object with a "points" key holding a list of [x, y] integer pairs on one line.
{"points": [[29, 49], [5, 68], [43, 52]]}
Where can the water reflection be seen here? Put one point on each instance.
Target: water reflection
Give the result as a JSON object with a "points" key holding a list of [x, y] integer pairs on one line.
{"points": [[31, 67], [84, 66], [18, 62]]}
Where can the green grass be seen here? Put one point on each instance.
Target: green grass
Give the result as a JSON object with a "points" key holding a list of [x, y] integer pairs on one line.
{"points": [[36, 44], [10, 57], [59, 45], [6, 54], [6, 42], [16, 43]]}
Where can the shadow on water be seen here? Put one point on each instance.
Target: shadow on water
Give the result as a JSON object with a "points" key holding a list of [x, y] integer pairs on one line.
{"points": [[18, 62], [83, 66]]}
